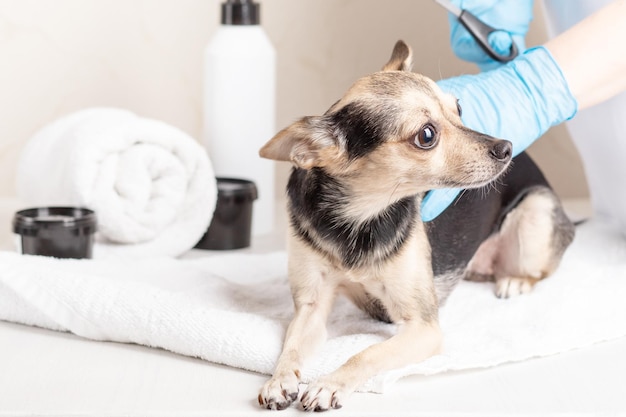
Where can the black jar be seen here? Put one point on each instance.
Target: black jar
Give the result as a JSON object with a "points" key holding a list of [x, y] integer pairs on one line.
{"points": [[231, 224], [61, 232]]}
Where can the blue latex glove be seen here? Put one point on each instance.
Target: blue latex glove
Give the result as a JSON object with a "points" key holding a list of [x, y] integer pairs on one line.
{"points": [[519, 102], [512, 16]]}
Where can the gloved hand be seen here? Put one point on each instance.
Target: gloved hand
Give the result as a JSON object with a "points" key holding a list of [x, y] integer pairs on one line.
{"points": [[512, 16], [519, 102]]}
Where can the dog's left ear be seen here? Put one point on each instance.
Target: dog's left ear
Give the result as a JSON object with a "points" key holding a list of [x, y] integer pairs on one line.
{"points": [[306, 143], [401, 58]]}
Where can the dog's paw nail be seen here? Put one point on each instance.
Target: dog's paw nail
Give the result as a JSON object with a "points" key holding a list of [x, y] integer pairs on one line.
{"points": [[512, 287], [283, 405], [275, 405], [291, 396]]}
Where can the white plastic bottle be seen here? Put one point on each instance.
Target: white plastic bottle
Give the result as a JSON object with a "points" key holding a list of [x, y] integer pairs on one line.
{"points": [[239, 104]]}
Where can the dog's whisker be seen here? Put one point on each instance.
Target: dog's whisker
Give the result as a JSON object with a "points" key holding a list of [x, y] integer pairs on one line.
{"points": [[439, 68], [393, 192]]}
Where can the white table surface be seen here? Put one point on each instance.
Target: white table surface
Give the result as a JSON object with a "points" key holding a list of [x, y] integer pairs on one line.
{"points": [[47, 373]]}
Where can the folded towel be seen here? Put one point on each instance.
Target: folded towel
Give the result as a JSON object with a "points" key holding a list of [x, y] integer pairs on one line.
{"points": [[234, 308], [151, 184]]}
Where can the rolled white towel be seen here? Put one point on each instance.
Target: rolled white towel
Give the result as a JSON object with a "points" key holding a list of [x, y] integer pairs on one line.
{"points": [[152, 185]]}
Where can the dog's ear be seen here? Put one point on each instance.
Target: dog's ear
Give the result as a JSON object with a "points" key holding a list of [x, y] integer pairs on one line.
{"points": [[303, 143], [401, 58]]}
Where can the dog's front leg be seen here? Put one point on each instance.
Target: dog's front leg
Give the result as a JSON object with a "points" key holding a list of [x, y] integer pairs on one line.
{"points": [[313, 294], [415, 341], [405, 288]]}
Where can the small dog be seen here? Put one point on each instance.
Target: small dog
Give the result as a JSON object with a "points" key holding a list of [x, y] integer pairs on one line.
{"points": [[354, 194]]}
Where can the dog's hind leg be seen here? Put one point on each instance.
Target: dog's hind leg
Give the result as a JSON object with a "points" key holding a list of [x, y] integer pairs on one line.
{"points": [[530, 242]]}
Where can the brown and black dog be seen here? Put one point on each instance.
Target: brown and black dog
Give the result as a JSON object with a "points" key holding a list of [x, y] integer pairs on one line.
{"points": [[354, 194]]}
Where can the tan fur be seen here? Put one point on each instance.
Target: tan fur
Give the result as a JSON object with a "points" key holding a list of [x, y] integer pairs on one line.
{"points": [[401, 58], [300, 144], [440, 166], [315, 279], [403, 283]]}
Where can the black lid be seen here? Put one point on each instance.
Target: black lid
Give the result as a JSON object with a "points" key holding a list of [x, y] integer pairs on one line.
{"points": [[33, 221], [236, 188], [241, 12]]}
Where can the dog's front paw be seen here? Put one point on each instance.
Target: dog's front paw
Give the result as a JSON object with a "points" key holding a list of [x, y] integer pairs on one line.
{"points": [[324, 394], [280, 391]]}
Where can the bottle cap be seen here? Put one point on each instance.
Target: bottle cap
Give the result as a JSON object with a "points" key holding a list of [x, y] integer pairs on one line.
{"points": [[241, 12]]}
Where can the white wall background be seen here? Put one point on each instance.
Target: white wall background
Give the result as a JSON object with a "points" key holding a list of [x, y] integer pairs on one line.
{"points": [[58, 56]]}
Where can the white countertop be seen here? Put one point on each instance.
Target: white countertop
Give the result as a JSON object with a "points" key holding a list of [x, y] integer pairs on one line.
{"points": [[57, 374], [49, 373]]}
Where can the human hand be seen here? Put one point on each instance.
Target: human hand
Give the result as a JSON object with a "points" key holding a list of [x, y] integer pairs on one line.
{"points": [[512, 16], [519, 102]]}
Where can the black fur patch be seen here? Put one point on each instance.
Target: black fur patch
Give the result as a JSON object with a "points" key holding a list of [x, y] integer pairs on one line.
{"points": [[362, 128], [376, 309], [316, 200]]}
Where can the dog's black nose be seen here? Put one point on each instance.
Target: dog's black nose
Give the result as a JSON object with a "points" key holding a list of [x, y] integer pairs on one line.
{"points": [[501, 150]]}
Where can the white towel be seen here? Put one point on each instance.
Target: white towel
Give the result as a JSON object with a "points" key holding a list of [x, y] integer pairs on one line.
{"points": [[152, 185], [233, 308]]}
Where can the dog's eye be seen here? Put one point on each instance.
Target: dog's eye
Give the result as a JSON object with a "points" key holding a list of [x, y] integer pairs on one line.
{"points": [[426, 137], [458, 108]]}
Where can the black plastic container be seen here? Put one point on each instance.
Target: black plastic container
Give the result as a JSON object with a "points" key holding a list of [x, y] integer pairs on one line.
{"points": [[231, 225], [61, 232]]}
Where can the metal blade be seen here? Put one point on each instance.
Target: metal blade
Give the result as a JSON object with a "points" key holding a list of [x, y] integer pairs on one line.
{"points": [[447, 4]]}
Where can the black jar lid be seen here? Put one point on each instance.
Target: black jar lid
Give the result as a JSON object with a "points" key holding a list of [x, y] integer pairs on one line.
{"points": [[43, 220], [236, 189]]}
